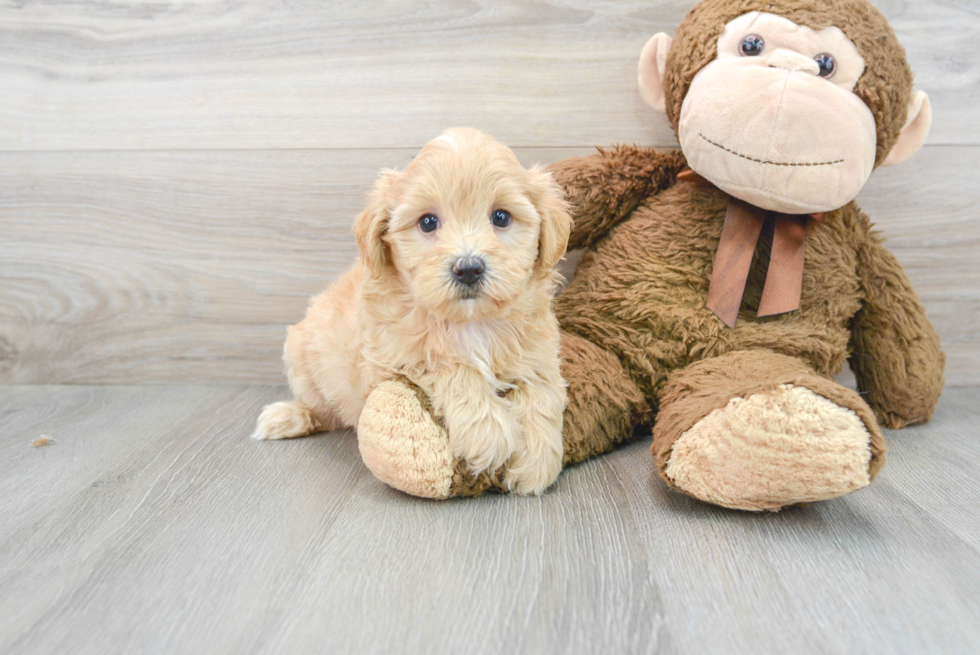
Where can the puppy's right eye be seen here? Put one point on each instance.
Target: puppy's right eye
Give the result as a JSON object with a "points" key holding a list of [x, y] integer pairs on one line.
{"points": [[429, 223]]}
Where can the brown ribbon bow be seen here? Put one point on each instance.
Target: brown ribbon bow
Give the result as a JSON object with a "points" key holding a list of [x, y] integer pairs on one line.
{"points": [[739, 235]]}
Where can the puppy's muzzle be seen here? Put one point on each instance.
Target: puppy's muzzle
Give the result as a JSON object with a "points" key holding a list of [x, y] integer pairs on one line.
{"points": [[468, 271]]}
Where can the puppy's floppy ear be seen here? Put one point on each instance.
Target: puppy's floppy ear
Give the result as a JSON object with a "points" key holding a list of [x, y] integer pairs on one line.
{"points": [[556, 220], [372, 223]]}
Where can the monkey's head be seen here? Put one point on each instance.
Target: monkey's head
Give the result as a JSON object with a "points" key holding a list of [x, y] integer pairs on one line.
{"points": [[787, 105]]}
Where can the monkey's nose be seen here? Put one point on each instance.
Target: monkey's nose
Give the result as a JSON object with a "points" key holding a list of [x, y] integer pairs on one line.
{"points": [[468, 270], [792, 61]]}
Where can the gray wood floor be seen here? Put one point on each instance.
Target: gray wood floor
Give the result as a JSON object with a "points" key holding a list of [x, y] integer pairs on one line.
{"points": [[152, 524]]}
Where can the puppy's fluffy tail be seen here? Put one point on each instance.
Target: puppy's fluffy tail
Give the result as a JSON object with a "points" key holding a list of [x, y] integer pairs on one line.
{"points": [[287, 419]]}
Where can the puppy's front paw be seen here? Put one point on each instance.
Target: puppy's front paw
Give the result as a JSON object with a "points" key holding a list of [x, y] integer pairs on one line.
{"points": [[485, 442], [530, 474]]}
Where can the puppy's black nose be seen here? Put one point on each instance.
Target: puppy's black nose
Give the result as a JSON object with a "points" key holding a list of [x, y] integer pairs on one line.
{"points": [[468, 270]]}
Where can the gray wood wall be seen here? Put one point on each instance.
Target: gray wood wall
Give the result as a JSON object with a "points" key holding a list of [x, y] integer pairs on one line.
{"points": [[177, 178]]}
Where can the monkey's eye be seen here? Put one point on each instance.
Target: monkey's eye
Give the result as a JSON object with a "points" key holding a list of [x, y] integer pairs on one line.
{"points": [[752, 46], [500, 218], [429, 223], [827, 64]]}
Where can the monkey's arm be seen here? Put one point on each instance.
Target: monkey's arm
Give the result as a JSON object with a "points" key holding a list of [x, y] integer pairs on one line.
{"points": [[606, 187], [896, 353]]}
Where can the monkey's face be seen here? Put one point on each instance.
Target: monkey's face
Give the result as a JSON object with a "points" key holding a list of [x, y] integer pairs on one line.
{"points": [[773, 120]]}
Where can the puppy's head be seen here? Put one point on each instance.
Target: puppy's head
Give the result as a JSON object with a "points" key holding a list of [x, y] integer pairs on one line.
{"points": [[465, 227]]}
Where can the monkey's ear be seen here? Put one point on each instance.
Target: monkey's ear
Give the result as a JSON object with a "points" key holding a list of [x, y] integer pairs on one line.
{"points": [[915, 131], [556, 221], [372, 223], [653, 62]]}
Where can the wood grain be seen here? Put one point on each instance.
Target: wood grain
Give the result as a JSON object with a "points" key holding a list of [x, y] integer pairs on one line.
{"points": [[99, 75], [163, 528], [153, 524], [128, 267]]}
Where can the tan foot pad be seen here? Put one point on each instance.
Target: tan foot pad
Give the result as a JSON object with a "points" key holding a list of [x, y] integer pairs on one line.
{"points": [[771, 450], [402, 445]]}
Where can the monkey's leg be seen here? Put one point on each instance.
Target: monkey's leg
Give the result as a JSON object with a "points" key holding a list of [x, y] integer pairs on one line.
{"points": [[756, 430], [604, 404], [407, 449]]}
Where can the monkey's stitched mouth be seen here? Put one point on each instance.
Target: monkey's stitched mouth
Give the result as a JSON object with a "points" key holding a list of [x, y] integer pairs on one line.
{"points": [[769, 163]]}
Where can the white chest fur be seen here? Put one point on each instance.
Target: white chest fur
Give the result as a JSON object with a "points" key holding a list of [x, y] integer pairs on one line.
{"points": [[475, 342]]}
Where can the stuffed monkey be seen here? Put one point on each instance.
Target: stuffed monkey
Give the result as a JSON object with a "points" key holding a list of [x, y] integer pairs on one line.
{"points": [[725, 284]]}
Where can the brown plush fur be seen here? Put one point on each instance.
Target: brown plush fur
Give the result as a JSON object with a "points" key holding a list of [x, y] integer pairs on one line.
{"points": [[640, 292], [638, 342], [885, 87]]}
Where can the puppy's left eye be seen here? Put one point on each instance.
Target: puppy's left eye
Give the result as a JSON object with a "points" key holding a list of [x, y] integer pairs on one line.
{"points": [[500, 218]]}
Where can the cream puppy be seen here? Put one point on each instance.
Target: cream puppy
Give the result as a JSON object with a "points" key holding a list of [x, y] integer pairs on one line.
{"points": [[453, 292]]}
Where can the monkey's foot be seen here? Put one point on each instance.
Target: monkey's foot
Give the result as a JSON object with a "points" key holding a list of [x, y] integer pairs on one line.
{"points": [[407, 449], [772, 449], [729, 436]]}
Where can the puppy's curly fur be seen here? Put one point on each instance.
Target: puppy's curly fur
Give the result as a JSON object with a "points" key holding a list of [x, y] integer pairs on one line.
{"points": [[485, 352]]}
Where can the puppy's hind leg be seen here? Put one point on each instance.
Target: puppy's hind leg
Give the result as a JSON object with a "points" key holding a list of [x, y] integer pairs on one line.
{"points": [[292, 418]]}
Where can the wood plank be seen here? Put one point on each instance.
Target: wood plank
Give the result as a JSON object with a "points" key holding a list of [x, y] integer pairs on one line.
{"points": [[91, 431], [263, 74], [153, 524], [932, 466], [188, 266], [202, 540]]}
